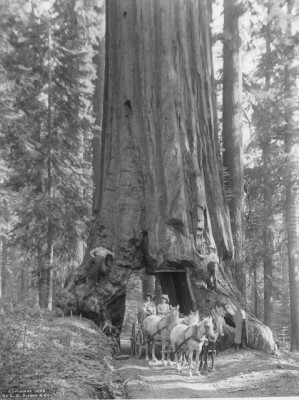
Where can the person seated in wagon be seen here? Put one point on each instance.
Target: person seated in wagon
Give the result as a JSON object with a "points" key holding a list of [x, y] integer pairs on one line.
{"points": [[148, 308], [163, 307]]}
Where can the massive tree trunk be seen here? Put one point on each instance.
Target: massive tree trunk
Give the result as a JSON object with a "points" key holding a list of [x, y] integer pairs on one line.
{"points": [[232, 132], [161, 190]]}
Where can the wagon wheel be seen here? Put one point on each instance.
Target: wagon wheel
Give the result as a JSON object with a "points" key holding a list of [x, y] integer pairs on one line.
{"points": [[132, 338], [139, 341]]}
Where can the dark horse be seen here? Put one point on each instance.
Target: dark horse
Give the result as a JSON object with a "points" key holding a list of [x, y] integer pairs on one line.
{"points": [[210, 344]]}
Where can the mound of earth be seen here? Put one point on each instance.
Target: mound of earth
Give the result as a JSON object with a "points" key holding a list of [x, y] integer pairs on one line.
{"points": [[62, 357]]}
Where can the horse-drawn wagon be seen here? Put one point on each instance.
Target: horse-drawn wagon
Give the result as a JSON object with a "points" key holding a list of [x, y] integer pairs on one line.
{"points": [[137, 338], [185, 334]]}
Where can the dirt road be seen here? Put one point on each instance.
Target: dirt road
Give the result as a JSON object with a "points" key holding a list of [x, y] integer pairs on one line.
{"points": [[245, 373], [152, 381]]}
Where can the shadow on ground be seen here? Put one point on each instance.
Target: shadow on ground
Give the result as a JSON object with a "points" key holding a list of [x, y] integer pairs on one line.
{"points": [[244, 373]]}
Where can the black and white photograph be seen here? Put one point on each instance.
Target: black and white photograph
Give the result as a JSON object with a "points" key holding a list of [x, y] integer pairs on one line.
{"points": [[149, 199]]}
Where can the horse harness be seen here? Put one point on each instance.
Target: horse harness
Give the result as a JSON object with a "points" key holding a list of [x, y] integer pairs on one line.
{"points": [[194, 337], [156, 333]]}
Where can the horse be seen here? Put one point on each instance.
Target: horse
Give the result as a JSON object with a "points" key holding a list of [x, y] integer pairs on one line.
{"points": [[210, 344], [191, 319], [191, 338], [158, 327]]}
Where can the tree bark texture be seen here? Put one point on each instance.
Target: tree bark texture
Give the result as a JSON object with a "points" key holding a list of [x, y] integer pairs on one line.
{"points": [[161, 193], [99, 61], [292, 235], [232, 132], [268, 245], [268, 193], [41, 282], [291, 192], [50, 188], [3, 265]]}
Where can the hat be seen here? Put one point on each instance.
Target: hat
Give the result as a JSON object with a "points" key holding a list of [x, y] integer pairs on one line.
{"points": [[149, 294], [165, 296]]}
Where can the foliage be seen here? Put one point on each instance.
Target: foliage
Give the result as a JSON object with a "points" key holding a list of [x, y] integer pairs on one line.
{"points": [[15, 321], [47, 76], [266, 168]]}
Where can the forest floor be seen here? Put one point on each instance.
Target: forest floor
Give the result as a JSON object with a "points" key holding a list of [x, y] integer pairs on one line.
{"points": [[243, 373], [53, 357]]}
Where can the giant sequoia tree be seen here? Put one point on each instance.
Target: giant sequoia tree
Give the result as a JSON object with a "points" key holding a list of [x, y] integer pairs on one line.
{"points": [[161, 191]]}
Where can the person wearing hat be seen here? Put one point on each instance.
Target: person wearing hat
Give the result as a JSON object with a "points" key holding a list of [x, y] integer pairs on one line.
{"points": [[212, 263], [148, 306], [101, 260], [212, 267], [163, 307], [241, 322]]}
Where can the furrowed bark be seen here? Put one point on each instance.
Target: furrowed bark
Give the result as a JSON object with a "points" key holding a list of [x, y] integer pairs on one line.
{"points": [[161, 195], [232, 132], [291, 195], [268, 233]]}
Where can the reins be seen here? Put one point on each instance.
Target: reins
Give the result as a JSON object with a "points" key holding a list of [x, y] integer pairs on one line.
{"points": [[158, 331], [219, 331], [194, 337], [152, 336]]}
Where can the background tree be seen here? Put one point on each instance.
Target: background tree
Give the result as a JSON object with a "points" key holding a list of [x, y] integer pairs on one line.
{"points": [[148, 284], [266, 172], [291, 177], [232, 131], [57, 157]]}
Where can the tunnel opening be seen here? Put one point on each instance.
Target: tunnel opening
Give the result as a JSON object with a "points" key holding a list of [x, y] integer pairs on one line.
{"points": [[175, 285]]}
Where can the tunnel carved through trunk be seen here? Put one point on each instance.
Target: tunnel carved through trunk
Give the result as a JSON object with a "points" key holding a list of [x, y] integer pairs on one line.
{"points": [[175, 284]]}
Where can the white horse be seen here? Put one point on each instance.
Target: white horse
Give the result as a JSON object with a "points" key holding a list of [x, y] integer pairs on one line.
{"points": [[210, 344], [191, 319], [158, 327], [191, 338]]}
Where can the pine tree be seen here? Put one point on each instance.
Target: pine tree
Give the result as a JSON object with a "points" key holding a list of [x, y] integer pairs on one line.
{"points": [[271, 104], [50, 63], [291, 177]]}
